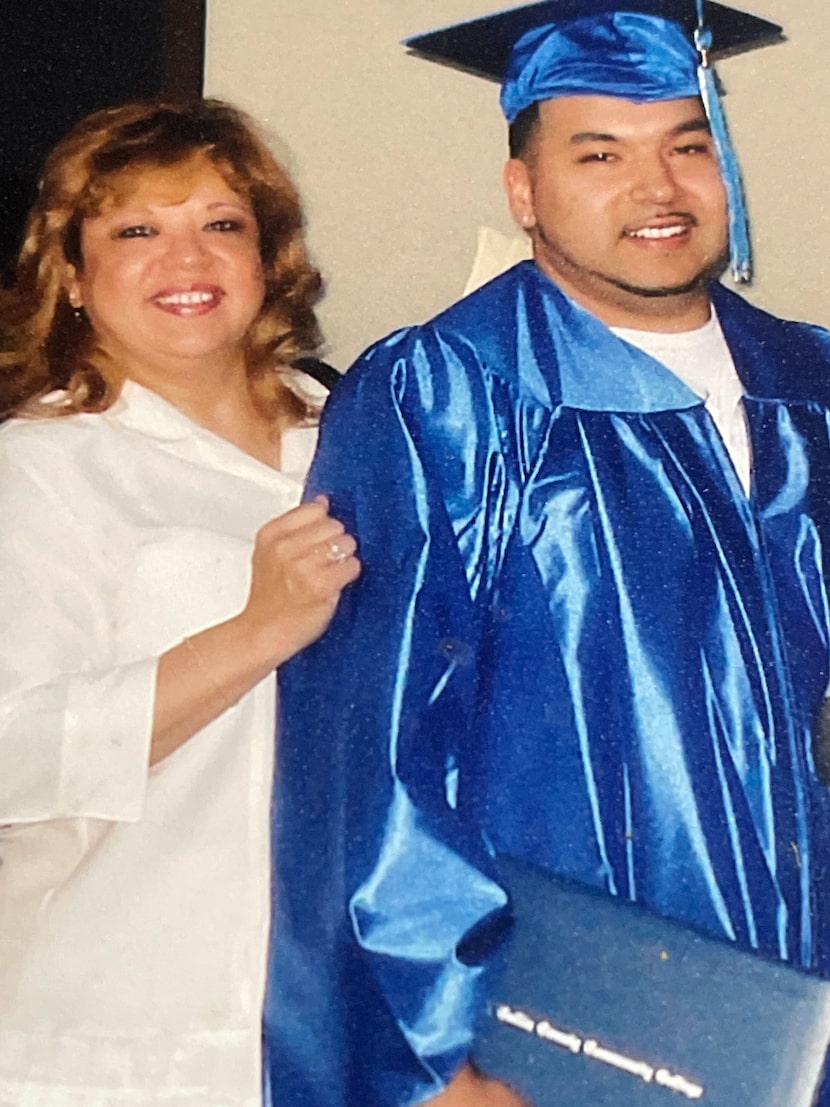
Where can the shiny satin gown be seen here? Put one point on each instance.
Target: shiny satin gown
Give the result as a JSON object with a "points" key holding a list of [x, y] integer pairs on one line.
{"points": [[576, 639]]}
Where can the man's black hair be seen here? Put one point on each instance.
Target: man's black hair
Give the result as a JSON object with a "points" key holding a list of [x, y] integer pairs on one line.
{"points": [[522, 130]]}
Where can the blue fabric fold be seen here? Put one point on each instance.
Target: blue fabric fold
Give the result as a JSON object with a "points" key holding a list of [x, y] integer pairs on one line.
{"points": [[575, 640]]}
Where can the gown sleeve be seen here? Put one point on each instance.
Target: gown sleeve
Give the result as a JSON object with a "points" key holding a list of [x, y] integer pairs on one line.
{"points": [[378, 877], [75, 726]]}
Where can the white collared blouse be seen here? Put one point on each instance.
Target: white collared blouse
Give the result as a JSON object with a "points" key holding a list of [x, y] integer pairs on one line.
{"points": [[133, 903]]}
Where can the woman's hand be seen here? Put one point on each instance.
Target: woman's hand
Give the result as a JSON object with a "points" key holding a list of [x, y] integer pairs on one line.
{"points": [[301, 563]]}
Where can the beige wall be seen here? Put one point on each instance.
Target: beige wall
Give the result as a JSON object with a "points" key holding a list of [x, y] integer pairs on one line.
{"points": [[399, 160]]}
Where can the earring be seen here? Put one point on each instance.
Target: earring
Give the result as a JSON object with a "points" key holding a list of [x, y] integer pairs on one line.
{"points": [[79, 314]]}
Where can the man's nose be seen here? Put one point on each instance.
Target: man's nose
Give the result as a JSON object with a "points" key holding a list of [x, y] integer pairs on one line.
{"points": [[654, 181]]}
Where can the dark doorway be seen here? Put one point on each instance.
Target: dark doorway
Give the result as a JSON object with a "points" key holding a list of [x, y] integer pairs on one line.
{"points": [[61, 59]]}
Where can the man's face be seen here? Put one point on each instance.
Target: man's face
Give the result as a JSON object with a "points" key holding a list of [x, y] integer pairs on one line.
{"points": [[625, 206]]}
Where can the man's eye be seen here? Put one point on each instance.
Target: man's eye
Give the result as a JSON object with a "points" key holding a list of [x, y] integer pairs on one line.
{"points": [[597, 156], [694, 148], [139, 230]]}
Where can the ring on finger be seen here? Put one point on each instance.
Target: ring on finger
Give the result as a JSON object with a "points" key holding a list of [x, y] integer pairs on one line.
{"points": [[336, 551]]}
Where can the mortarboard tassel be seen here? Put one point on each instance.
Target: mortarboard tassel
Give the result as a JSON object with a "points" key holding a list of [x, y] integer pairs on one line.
{"points": [[740, 248]]}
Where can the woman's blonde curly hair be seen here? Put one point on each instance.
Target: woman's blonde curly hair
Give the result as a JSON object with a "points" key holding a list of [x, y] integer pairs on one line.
{"points": [[45, 346]]}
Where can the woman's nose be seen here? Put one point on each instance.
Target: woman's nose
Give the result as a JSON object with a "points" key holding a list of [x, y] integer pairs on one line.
{"points": [[190, 248]]}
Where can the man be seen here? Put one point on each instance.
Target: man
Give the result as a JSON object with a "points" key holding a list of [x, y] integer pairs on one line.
{"points": [[591, 632]]}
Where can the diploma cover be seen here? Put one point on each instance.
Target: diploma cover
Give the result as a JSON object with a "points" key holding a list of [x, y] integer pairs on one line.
{"points": [[598, 1002]]}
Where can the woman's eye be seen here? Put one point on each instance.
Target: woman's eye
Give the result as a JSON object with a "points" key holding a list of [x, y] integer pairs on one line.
{"points": [[226, 225], [139, 230]]}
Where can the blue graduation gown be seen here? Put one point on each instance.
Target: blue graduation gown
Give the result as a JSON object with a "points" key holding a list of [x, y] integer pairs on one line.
{"points": [[575, 639]]}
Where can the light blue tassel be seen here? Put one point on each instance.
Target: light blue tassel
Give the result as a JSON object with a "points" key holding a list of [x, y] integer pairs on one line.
{"points": [[740, 248]]}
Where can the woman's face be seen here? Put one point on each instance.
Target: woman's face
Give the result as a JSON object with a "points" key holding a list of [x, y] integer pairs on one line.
{"points": [[172, 277]]}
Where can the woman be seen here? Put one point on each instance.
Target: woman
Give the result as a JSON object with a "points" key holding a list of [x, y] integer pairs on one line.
{"points": [[154, 571]]}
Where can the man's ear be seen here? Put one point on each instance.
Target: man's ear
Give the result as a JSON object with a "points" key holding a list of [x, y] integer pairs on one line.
{"points": [[519, 189]]}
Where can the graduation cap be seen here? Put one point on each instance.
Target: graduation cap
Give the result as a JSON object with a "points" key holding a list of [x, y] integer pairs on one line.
{"points": [[640, 50], [483, 46]]}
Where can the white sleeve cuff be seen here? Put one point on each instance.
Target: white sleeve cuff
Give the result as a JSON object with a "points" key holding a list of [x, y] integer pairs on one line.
{"points": [[79, 746]]}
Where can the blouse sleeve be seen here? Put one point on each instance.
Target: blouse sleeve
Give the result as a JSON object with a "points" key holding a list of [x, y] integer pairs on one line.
{"points": [[75, 726], [379, 877]]}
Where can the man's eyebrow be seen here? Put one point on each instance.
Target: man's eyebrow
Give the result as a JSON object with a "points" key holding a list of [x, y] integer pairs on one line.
{"points": [[591, 136], [699, 123], [688, 126]]}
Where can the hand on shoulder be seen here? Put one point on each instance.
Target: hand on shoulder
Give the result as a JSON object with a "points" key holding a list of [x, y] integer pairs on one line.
{"points": [[302, 561]]}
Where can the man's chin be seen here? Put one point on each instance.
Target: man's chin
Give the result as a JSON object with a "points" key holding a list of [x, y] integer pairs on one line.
{"points": [[695, 284], [661, 292]]}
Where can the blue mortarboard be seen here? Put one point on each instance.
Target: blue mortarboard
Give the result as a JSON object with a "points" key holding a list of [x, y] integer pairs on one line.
{"points": [[643, 50], [637, 57]]}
